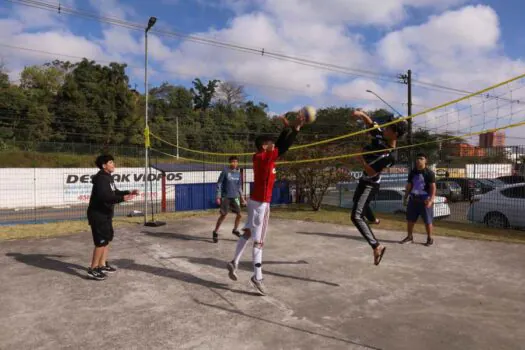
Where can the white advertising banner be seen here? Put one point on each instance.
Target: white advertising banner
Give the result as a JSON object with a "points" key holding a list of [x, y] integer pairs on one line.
{"points": [[488, 171], [55, 187]]}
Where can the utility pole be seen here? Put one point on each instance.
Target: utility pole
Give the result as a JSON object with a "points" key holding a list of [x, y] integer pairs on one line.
{"points": [[177, 122], [407, 80]]}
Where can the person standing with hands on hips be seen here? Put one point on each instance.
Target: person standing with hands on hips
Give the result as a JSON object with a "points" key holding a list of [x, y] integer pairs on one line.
{"points": [[419, 198], [104, 196], [229, 196]]}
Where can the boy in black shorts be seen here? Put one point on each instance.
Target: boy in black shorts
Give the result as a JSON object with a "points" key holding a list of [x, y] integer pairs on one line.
{"points": [[104, 196], [382, 145]]}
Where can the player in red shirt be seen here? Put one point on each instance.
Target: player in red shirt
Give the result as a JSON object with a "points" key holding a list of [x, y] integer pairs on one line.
{"points": [[260, 198]]}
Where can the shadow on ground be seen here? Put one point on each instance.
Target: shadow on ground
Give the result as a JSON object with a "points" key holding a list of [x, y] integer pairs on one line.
{"points": [[128, 264], [247, 266], [184, 237], [338, 235], [261, 319], [47, 262]]}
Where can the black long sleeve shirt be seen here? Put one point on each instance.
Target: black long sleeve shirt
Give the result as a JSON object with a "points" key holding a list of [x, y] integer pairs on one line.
{"points": [[104, 196]]}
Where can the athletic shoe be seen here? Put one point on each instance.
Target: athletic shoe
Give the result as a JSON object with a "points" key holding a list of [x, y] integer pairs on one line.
{"points": [[407, 239], [430, 241], [258, 285], [215, 237], [232, 271], [108, 268], [96, 274], [236, 233]]}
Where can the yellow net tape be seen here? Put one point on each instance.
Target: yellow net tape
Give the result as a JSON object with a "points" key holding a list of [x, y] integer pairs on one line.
{"points": [[147, 142], [341, 137], [351, 155]]}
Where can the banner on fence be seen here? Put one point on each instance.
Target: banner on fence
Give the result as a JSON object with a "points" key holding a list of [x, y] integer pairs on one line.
{"points": [[488, 171], [50, 187], [450, 172]]}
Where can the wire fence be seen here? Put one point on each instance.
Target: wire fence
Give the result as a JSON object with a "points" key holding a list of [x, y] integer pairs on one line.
{"points": [[47, 182]]}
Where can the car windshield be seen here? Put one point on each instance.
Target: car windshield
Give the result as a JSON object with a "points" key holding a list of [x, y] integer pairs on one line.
{"points": [[486, 182], [498, 182], [453, 185]]}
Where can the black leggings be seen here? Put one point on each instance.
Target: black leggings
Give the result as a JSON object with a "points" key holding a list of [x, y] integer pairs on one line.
{"points": [[363, 195]]}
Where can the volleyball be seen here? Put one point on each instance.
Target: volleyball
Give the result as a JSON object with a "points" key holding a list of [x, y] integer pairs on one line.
{"points": [[309, 113]]}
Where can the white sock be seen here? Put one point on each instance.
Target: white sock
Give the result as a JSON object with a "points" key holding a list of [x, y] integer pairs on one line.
{"points": [[257, 263], [241, 244]]}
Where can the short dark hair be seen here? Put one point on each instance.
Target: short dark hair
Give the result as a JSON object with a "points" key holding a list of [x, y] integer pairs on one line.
{"points": [[421, 155], [103, 159], [400, 128], [232, 158], [261, 140]]}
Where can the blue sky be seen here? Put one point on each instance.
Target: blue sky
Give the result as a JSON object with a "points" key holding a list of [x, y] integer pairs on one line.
{"points": [[456, 43]]}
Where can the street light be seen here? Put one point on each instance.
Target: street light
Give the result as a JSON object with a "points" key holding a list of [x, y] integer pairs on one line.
{"points": [[395, 110], [379, 97], [153, 223]]}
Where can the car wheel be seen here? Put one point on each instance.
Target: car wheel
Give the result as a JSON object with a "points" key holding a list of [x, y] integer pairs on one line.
{"points": [[496, 220]]}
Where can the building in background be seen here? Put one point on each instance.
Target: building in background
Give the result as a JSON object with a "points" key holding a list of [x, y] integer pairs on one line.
{"points": [[492, 139], [467, 150]]}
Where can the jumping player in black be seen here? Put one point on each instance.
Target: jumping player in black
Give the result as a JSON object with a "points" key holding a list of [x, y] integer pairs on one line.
{"points": [[383, 141]]}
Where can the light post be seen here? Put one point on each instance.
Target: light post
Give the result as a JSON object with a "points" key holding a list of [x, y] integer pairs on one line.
{"points": [[151, 23], [379, 97]]}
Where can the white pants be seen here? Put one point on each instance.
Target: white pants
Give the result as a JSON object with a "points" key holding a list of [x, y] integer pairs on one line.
{"points": [[257, 222]]}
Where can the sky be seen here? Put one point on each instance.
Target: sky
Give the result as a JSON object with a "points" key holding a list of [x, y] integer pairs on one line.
{"points": [[459, 44]]}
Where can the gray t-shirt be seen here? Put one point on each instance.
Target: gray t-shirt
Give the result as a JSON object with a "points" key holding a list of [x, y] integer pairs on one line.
{"points": [[229, 184]]}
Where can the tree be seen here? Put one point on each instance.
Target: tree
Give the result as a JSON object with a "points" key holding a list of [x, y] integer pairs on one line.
{"points": [[95, 104], [203, 94], [4, 77], [231, 94], [315, 178]]}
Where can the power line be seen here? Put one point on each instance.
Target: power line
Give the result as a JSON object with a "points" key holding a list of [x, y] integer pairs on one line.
{"points": [[232, 46], [201, 40], [245, 83]]}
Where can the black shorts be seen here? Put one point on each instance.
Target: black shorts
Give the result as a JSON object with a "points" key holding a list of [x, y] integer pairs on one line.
{"points": [[232, 204], [102, 231]]}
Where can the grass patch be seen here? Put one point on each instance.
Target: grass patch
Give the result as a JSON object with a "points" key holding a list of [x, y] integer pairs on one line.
{"points": [[341, 216], [65, 228], [329, 214]]}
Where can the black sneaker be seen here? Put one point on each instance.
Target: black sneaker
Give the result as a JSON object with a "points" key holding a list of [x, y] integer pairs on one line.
{"points": [[215, 237], [430, 241], [108, 268], [236, 233], [96, 274]]}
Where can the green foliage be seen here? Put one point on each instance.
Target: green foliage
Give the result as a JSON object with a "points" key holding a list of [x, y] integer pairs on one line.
{"points": [[203, 94]]}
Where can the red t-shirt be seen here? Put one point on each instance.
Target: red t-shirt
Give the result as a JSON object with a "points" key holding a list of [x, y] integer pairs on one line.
{"points": [[264, 175]]}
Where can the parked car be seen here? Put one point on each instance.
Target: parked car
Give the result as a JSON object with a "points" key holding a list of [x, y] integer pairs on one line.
{"points": [[512, 179], [502, 207], [469, 187], [497, 182], [485, 185], [390, 200], [449, 189]]}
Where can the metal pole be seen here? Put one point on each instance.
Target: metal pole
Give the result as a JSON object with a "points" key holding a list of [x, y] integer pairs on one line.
{"points": [[177, 123], [146, 125], [410, 138]]}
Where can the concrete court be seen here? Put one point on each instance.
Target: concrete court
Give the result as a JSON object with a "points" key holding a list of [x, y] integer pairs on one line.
{"points": [[172, 292]]}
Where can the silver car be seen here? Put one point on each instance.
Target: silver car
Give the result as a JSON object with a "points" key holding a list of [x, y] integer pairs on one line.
{"points": [[502, 207]]}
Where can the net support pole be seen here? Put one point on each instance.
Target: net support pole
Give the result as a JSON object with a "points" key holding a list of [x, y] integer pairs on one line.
{"points": [[163, 202], [177, 124]]}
